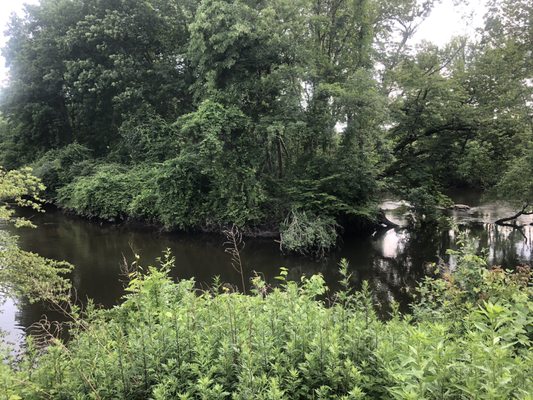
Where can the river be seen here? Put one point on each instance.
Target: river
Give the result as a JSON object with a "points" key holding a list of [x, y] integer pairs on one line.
{"points": [[393, 261]]}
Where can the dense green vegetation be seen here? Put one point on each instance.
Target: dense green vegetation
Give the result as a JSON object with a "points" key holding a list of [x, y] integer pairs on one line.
{"points": [[22, 273], [469, 337], [204, 114], [284, 116]]}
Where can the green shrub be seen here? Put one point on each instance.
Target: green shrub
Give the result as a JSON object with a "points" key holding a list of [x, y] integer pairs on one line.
{"points": [[106, 194], [191, 193], [209, 181], [469, 287], [148, 137], [308, 234], [214, 181], [167, 340], [144, 202], [57, 168]]}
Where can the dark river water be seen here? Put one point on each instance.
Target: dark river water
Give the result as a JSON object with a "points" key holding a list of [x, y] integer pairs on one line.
{"points": [[392, 261]]}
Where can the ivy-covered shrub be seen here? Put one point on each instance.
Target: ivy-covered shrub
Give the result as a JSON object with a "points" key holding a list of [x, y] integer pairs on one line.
{"points": [[147, 137], [144, 202], [209, 181], [191, 193], [57, 168], [106, 194]]}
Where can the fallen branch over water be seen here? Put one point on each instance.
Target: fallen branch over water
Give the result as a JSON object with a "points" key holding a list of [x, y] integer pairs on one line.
{"points": [[523, 211]]}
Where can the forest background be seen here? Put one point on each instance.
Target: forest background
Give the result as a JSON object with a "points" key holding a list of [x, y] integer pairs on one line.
{"points": [[280, 116]]}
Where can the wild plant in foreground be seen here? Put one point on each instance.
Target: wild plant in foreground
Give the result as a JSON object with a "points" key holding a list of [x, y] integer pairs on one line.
{"points": [[169, 341]]}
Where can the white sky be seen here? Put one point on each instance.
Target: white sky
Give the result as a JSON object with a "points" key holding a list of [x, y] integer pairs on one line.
{"points": [[444, 22], [447, 20], [7, 7]]}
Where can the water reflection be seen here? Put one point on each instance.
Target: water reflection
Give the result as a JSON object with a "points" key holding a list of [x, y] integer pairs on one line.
{"points": [[392, 261], [10, 322]]}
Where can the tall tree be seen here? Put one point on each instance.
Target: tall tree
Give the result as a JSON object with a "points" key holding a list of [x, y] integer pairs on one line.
{"points": [[79, 68], [35, 100]]}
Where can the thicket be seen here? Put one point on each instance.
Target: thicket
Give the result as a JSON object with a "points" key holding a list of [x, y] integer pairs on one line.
{"points": [[204, 114], [469, 336], [307, 233], [22, 273]]}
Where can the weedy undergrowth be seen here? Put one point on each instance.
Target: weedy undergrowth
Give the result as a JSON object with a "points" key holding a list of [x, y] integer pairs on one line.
{"points": [[469, 337]]}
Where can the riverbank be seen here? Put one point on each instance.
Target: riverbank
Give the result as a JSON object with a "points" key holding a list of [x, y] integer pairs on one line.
{"points": [[392, 261], [261, 232]]}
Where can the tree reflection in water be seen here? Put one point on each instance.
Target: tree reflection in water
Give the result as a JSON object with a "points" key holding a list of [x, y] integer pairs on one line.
{"points": [[392, 261]]}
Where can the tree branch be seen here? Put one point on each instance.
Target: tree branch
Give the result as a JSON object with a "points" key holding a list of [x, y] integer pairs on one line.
{"points": [[523, 211]]}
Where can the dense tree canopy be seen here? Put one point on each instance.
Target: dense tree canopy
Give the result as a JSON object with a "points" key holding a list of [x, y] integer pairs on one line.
{"points": [[199, 114]]}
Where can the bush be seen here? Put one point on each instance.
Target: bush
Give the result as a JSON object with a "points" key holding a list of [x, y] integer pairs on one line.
{"points": [[179, 193], [211, 180], [308, 234], [144, 202], [111, 191], [469, 287], [59, 167], [106, 194], [147, 137], [168, 341], [191, 193]]}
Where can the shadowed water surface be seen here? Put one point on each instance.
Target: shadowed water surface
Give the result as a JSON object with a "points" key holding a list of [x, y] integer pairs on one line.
{"points": [[392, 261]]}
